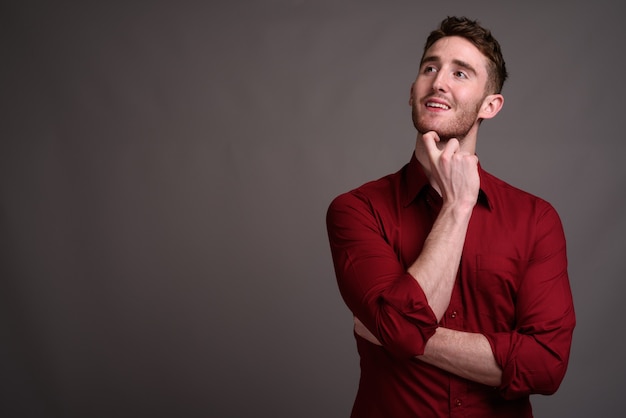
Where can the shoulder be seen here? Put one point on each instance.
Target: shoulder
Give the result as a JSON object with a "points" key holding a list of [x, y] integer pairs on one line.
{"points": [[370, 194], [367, 206], [503, 195]]}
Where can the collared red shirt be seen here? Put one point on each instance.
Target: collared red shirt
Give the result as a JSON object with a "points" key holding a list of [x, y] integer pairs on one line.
{"points": [[512, 286]]}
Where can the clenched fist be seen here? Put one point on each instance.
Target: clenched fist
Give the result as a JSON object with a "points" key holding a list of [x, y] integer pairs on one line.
{"points": [[455, 172]]}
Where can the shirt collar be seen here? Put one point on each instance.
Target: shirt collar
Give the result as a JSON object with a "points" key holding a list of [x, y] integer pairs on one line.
{"points": [[416, 181]]}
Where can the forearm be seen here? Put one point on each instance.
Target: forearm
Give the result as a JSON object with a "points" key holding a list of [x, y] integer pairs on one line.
{"points": [[436, 267], [468, 355], [464, 354], [453, 172]]}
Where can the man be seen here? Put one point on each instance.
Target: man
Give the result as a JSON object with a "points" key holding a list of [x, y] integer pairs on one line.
{"points": [[457, 281]]}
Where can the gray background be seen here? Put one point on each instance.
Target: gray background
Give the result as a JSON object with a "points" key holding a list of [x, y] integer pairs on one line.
{"points": [[165, 169]]}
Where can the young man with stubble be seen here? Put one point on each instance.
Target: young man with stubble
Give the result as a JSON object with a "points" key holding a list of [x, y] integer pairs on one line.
{"points": [[457, 281]]}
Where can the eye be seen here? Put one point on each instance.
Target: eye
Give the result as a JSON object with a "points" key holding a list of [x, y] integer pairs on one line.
{"points": [[460, 74], [429, 69]]}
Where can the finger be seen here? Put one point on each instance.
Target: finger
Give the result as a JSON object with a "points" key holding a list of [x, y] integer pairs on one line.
{"points": [[430, 140], [451, 147]]}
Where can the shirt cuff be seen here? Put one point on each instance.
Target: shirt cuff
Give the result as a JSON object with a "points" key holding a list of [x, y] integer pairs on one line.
{"points": [[408, 320]]}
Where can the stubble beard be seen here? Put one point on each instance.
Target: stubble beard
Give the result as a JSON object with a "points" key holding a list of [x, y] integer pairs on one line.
{"points": [[457, 128]]}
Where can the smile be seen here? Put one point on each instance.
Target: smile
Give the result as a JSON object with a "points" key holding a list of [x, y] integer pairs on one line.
{"points": [[437, 105]]}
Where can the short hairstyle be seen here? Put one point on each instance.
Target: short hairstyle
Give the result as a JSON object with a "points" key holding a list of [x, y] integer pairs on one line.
{"points": [[482, 39]]}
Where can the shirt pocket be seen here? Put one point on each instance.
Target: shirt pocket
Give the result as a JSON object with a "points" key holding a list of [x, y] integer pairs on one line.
{"points": [[497, 281]]}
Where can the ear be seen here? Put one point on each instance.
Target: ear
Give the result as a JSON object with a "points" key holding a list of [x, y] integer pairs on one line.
{"points": [[411, 94], [491, 106]]}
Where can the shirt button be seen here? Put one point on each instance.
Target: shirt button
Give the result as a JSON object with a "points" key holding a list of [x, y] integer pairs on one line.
{"points": [[458, 402], [453, 314]]}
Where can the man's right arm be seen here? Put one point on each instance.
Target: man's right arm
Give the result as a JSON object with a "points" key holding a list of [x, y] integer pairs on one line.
{"points": [[402, 308], [455, 176], [372, 281], [436, 267]]}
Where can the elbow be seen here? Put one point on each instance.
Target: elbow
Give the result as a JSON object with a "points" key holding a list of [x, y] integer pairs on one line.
{"points": [[408, 345], [399, 316], [404, 336], [536, 364], [551, 380], [541, 382]]}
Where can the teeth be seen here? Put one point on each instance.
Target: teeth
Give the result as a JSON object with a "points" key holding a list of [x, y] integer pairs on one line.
{"points": [[439, 105]]}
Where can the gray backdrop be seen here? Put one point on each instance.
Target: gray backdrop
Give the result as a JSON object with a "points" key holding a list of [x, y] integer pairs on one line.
{"points": [[165, 169]]}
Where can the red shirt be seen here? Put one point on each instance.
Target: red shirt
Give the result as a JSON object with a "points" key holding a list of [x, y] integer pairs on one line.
{"points": [[512, 286]]}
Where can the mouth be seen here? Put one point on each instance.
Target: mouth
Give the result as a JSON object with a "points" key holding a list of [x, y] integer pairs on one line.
{"points": [[437, 105]]}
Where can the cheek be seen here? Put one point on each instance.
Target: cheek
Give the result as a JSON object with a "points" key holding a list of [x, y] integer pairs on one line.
{"points": [[465, 96], [422, 87], [469, 100]]}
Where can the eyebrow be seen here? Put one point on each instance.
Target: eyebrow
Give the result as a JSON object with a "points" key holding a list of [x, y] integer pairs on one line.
{"points": [[458, 62]]}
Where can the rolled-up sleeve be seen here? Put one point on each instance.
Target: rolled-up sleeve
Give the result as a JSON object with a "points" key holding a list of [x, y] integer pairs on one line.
{"points": [[535, 355], [372, 281]]}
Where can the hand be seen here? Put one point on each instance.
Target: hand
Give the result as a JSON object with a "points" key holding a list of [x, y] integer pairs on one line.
{"points": [[362, 331], [454, 171]]}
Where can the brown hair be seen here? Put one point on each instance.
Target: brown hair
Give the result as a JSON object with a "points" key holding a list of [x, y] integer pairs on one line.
{"points": [[482, 39]]}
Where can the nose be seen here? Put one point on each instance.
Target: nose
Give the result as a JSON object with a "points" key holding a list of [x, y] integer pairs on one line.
{"points": [[440, 82]]}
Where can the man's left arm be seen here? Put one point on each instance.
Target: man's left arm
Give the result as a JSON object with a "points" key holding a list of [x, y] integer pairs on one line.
{"points": [[468, 355], [533, 357]]}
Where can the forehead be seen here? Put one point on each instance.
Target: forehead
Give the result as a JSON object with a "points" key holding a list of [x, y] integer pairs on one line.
{"points": [[455, 49]]}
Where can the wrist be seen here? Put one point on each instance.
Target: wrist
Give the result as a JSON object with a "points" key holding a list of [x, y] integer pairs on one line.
{"points": [[458, 210]]}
